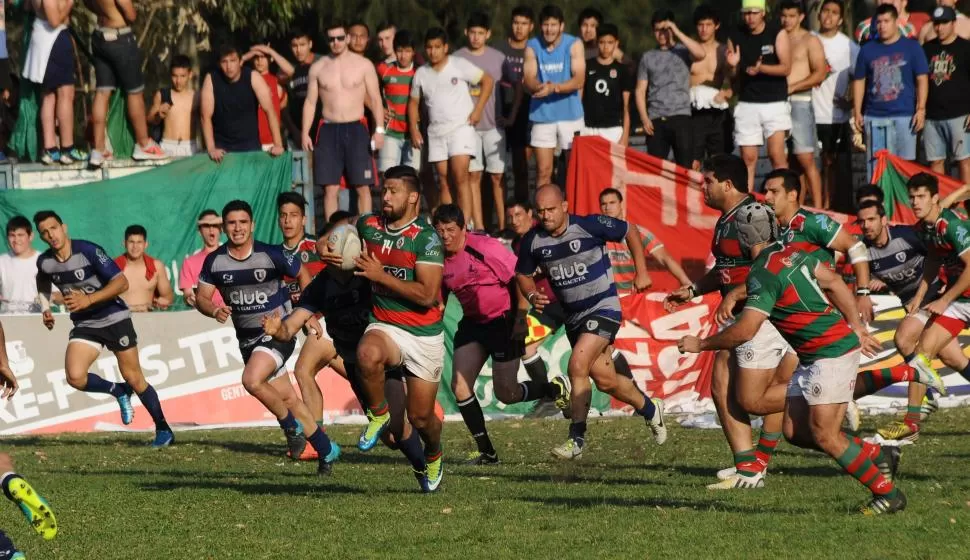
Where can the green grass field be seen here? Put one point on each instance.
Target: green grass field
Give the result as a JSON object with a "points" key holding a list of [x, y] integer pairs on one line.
{"points": [[229, 494]]}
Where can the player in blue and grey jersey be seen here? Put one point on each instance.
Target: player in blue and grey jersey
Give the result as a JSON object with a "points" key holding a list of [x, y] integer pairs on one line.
{"points": [[896, 255], [249, 275], [91, 284], [571, 252]]}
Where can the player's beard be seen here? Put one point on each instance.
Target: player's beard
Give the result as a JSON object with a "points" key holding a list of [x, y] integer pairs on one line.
{"points": [[393, 214]]}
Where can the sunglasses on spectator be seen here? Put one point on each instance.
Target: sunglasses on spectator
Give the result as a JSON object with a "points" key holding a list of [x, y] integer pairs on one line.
{"points": [[336, 39]]}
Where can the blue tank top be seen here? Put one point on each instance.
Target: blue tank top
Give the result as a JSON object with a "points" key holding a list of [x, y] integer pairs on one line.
{"points": [[555, 67]]}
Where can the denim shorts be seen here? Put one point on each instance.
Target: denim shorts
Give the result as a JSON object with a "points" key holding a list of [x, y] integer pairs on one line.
{"points": [[117, 63], [946, 138], [803, 138], [889, 133]]}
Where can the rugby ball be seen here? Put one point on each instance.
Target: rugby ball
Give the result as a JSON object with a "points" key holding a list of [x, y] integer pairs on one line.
{"points": [[346, 243]]}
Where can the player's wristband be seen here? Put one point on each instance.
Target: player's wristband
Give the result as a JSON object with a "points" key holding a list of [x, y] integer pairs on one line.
{"points": [[379, 130], [863, 292]]}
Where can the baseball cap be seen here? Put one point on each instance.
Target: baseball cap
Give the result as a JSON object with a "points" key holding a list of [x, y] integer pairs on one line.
{"points": [[944, 14], [753, 5]]}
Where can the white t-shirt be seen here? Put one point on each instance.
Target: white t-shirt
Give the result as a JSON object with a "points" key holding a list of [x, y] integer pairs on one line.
{"points": [[18, 284], [840, 54], [445, 93]]}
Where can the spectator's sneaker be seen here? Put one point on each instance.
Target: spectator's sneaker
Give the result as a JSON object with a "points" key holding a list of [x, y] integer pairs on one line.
{"points": [[163, 438], [74, 155], [96, 160], [151, 152], [49, 157]]}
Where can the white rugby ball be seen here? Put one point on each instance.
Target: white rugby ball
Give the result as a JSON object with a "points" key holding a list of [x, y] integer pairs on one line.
{"points": [[346, 243]]}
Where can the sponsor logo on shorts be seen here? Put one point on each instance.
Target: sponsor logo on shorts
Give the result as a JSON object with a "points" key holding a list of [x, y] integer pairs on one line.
{"points": [[265, 339], [123, 342], [592, 325], [454, 81], [816, 389], [260, 274], [437, 372]]}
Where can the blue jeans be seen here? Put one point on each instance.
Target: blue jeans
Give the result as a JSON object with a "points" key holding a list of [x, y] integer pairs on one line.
{"points": [[889, 133]]}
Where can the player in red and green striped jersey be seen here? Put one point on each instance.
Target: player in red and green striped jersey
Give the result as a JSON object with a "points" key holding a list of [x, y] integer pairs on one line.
{"points": [[403, 258], [947, 239], [817, 233], [741, 377], [791, 288]]}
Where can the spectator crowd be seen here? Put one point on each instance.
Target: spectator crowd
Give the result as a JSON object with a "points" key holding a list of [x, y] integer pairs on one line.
{"points": [[472, 118]]}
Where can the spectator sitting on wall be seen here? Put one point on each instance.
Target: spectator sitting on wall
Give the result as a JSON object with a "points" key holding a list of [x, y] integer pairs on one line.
{"points": [[177, 109], [210, 230], [231, 96], [148, 285], [262, 56]]}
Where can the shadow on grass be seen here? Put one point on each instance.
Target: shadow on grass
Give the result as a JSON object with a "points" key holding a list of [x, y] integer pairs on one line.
{"points": [[581, 477], [665, 503], [313, 484]]}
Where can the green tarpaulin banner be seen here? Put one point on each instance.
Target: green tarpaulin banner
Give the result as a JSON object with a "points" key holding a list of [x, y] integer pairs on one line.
{"points": [[166, 200]]}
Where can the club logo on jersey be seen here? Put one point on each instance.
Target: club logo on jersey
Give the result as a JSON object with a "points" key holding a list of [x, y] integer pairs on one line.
{"points": [[400, 243], [123, 342], [592, 324], [260, 274], [613, 73], [79, 274], [305, 257], [791, 236], [901, 256], [574, 245], [560, 272]]}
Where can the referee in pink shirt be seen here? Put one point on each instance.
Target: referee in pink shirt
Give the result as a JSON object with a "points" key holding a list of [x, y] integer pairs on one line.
{"points": [[210, 230], [480, 271]]}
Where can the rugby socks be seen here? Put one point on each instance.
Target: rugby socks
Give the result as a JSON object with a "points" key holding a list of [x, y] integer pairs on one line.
{"points": [[858, 464], [871, 450], [746, 462], [577, 432], [149, 398], [358, 388], [765, 450], [381, 409], [411, 448], [875, 379], [320, 442], [471, 413], [621, 365], [536, 368], [289, 423], [648, 409], [535, 390], [432, 452], [98, 384], [7, 548], [912, 417]]}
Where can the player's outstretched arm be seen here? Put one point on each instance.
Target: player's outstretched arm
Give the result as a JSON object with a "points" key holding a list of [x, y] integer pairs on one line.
{"points": [[285, 328], [642, 282], [670, 263], [732, 337]]}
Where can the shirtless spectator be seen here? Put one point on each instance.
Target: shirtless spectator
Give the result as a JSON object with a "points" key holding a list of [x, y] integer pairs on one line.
{"points": [[210, 230], [358, 38], [808, 70], [759, 58], [18, 269], [296, 78], [343, 81], [148, 285], [177, 110], [928, 32], [710, 90], [385, 42], [262, 56], [231, 96], [49, 65], [117, 64]]}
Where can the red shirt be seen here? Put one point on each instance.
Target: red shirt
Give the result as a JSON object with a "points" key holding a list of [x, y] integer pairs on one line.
{"points": [[265, 136]]}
